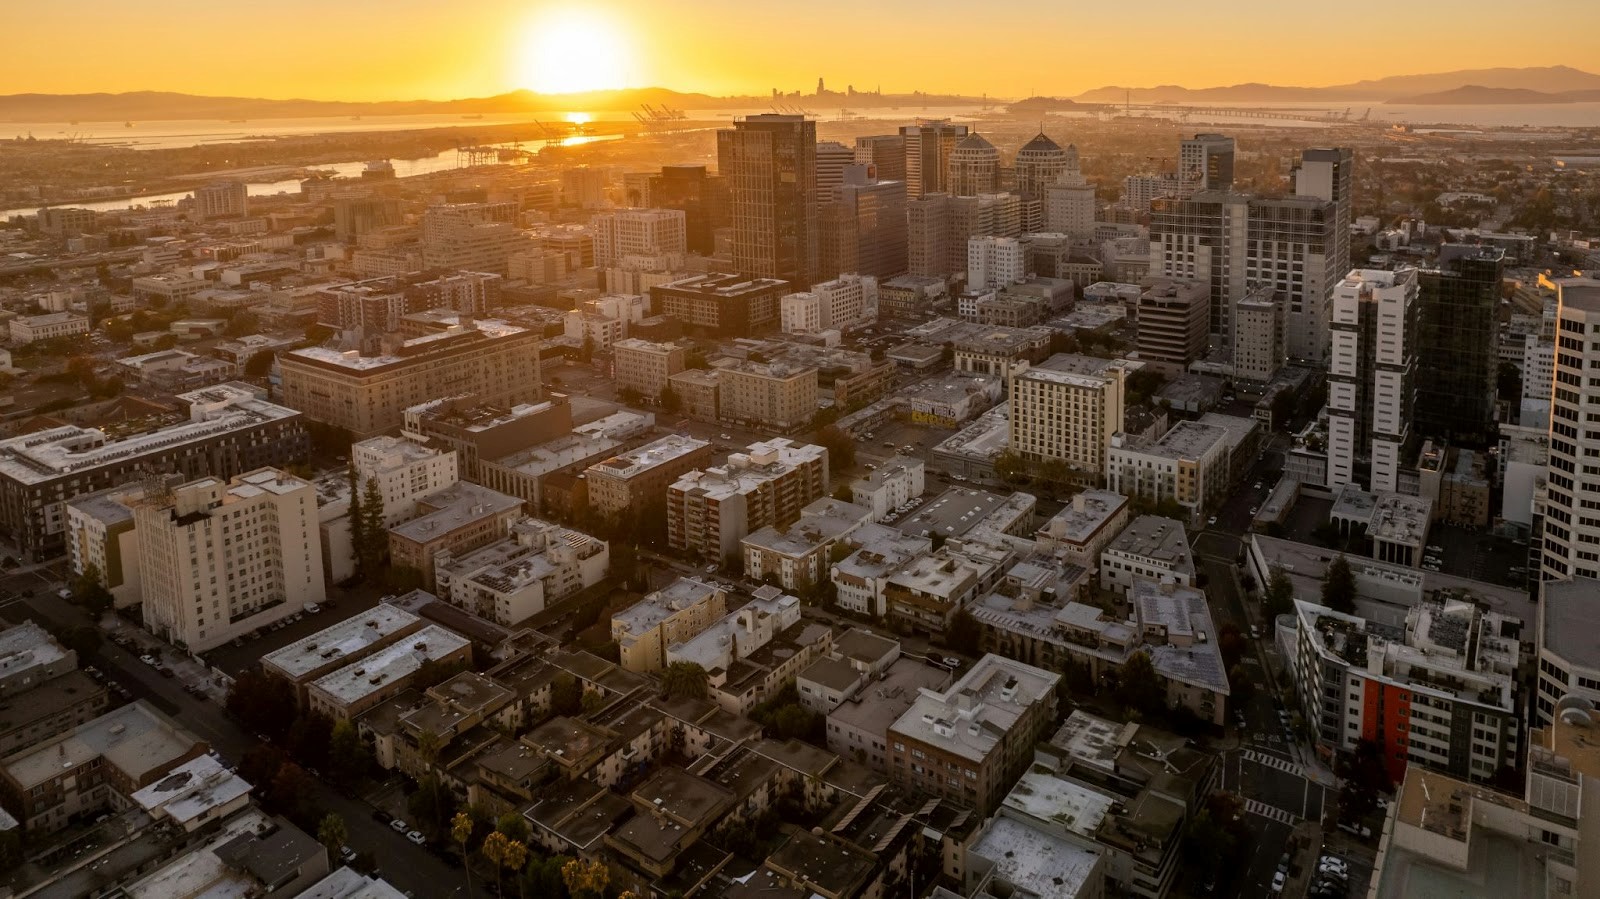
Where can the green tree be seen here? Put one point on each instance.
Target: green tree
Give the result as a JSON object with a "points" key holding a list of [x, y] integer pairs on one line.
{"points": [[514, 826], [1010, 467], [1279, 596], [89, 590], [349, 759], [1139, 688], [262, 703], [1339, 586], [684, 680], [964, 635], [670, 401], [374, 547], [461, 832], [494, 849], [841, 448], [243, 322], [358, 525], [1241, 686], [430, 804], [566, 695], [514, 858], [260, 364], [332, 833], [587, 880]]}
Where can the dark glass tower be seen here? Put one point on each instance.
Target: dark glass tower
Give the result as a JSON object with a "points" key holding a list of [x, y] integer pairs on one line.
{"points": [[1457, 362]]}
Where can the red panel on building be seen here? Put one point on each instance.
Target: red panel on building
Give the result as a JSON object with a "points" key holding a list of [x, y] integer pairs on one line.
{"points": [[1385, 720]]}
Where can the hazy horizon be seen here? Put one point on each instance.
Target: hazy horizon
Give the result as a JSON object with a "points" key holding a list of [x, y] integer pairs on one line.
{"points": [[364, 51]]}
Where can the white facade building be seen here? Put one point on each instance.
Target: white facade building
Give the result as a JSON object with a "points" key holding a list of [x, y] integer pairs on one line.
{"points": [[514, 579], [995, 262], [1571, 524], [1371, 380], [405, 470], [628, 238]]}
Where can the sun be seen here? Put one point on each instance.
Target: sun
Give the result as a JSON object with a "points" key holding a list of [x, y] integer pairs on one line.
{"points": [[573, 51]]}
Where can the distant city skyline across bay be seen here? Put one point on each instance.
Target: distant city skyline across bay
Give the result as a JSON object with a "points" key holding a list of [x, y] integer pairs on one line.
{"points": [[363, 50]]}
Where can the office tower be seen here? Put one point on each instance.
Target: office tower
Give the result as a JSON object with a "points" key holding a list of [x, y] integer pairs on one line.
{"points": [[220, 200], [928, 147], [974, 167], [583, 187], [1172, 323], [928, 235], [355, 216], [1258, 336], [1328, 173], [939, 226], [863, 229], [1139, 191], [1067, 408], [478, 237], [1069, 208], [1372, 376], [701, 197], [832, 157], [719, 303], [220, 559], [1198, 238], [885, 154], [1457, 336], [1040, 162], [995, 262], [1571, 529], [636, 234], [769, 162], [1205, 162]]}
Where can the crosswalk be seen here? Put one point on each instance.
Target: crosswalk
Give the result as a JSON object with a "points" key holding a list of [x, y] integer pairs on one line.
{"points": [[1256, 807], [1272, 761]]}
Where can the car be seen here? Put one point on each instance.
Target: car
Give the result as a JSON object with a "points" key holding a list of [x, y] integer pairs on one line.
{"points": [[398, 825], [724, 437], [952, 661], [1212, 521], [416, 837], [1277, 882], [313, 608], [1255, 632], [346, 854], [1283, 863], [1435, 548], [380, 816], [1254, 510], [164, 671], [1258, 485]]}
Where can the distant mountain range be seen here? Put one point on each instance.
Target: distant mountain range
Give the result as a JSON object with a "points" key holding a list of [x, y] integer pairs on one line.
{"points": [[1478, 95], [161, 105], [1548, 80]]}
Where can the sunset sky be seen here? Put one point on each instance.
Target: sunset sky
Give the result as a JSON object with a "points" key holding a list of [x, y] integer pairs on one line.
{"points": [[414, 49]]}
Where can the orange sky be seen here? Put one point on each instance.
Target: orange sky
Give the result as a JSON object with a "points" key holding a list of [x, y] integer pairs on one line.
{"points": [[405, 49]]}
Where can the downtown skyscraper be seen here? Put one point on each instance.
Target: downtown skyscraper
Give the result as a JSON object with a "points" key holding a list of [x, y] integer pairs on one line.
{"points": [[1457, 338], [1571, 531], [769, 164], [928, 146]]}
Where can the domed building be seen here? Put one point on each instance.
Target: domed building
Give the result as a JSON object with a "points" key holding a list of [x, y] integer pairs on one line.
{"points": [[1041, 161], [974, 167]]}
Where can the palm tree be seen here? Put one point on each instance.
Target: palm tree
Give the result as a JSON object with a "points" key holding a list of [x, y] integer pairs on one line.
{"points": [[429, 745], [332, 833], [461, 832], [494, 849], [514, 858], [684, 680]]}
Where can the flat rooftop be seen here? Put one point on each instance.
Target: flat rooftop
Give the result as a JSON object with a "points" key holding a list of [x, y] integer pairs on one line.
{"points": [[952, 513], [411, 351], [26, 646], [647, 614], [390, 664], [1033, 860], [456, 506], [1083, 515], [651, 455], [1162, 540], [349, 637], [969, 719], [134, 738]]}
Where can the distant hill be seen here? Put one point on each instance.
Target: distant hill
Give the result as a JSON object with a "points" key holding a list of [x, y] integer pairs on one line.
{"points": [[1478, 95], [1546, 79], [1042, 104]]}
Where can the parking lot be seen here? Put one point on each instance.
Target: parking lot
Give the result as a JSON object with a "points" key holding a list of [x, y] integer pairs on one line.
{"points": [[340, 604]]}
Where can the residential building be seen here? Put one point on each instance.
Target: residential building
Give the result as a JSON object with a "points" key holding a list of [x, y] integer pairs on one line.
{"points": [[1140, 191], [969, 743], [478, 431], [1372, 376], [333, 647], [404, 471], [994, 262], [1438, 690], [1084, 526], [223, 431], [635, 481], [894, 483], [928, 148], [26, 329], [457, 519], [1067, 409], [644, 366], [1173, 323], [721, 304], [924, 595], [778, 396], [796, 555], [1205, 162], [101, 539], [1188, 465], [667, 617], [1152, 548], [769, 164], [512, 580], [1328, 174], [855, 723], [359, 686], [1458, 326], [219, 559], [738, 633], [367, 393], [861, 579], [42, 691], [221, 199], [627, 235], [93, 768], [710, 511], [1258, 324], [1070, 208], [474, 237]]}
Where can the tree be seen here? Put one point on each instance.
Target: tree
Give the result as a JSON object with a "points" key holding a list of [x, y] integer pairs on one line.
{"points": [[349, 760], [514, 826], [628, 396], [429, 744], [841, 448], [1241, 687], [586, 879], [1139, 687], [429, 804], [291, 791], [1143, 384], [494, 849], [1339, 587], [309, 739], [1009, 466], [332, 833], [514, 859], [263, 703], [670, 401], [566, 695], [1365, 777], [374, 546], [260, 364], [964, 635], [461, 832], [1279, 596], [358, 522], [243, 322], [82, 639], [684, 680]]}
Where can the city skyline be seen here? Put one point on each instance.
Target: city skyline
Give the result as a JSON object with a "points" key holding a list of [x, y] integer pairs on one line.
{"points": [[494, 46]]}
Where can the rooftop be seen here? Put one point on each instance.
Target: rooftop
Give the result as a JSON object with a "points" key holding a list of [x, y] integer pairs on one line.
{"points": [[651, 455], [349, 637], [747, 471], [1036, 863], [134, 738], [456, 506], [647, 614], [411, 351], [969, 719], [1162, 540], [198, 787], [390, 664], [26, 646], [952, 513], [1086, 513]]}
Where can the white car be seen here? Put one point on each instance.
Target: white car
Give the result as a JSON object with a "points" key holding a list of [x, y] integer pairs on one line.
{"points": [[148, 659], [416, 837], [1212, 520], [1277, 882]]}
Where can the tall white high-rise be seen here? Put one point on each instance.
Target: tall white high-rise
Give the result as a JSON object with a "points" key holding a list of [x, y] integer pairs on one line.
{"points": [[995, 262], [1572, 486], [638, 234], [1372, 375]]}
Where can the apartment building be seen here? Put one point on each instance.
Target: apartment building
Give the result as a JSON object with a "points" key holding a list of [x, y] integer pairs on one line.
{"points": [[1372, 377], [710, 511], [1189, 464], [457, 519], [1173, 324], [1258, 350], [221, 199], [42, 691], [478, 431], [971, 742], [359, 686], [1151, 548], [669, 616], [630, 234], [476, 237], [1084, 526], [638, 479], [861, 579], [797, 555], [1439, 690], [336, 646], [26, 329], [1067, 408], [220, 559], [101, 537], [645, 366], [367, 393], [995, 262], [895, 482], [404, 470], [779, 395], [997, 350], [1571, 529], [512, 580]]}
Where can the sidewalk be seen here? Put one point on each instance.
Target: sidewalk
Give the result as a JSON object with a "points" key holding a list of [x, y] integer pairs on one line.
{"points": [[186, 669]]}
